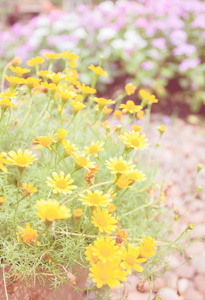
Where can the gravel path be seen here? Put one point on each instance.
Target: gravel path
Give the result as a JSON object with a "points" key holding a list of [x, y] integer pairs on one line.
{"points": [[182, 149]]}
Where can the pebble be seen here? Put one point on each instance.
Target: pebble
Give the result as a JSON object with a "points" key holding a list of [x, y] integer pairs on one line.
{"points": [[139, 296], [199, 281], [183, 284], [192, 294], [169, 294], [198, 263], [195, 249], [186, 271]]}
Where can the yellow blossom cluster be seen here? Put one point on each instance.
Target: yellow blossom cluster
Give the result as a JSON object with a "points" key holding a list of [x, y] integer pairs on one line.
{"points": [[73, 150]]}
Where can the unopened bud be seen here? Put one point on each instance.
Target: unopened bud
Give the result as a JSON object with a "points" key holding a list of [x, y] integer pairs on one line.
{"points": [[190, 256], [199, 188], [190, 227], [199, 168], [176, 218], [78, 213]]}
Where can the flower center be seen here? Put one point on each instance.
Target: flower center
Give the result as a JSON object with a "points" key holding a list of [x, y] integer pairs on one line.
{"points": [[21, 160], [45, 141], [103, 276], [101, 221], [51, 213], [93, 149], [105, 252], [135, 142], [120, 167], [130, 260], [82, 161], [94, 199], [130, 105], [61, 184]]}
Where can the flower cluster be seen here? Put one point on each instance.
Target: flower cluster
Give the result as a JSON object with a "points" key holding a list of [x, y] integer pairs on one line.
{"points": [[71, 168], [112, 262]]}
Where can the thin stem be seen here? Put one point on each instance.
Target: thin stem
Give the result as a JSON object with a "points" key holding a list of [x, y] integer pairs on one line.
{"points": [[69, 200], [7, 298], [27, 112], [3, 78], [129, 239], [138, 208], [70, 122]]}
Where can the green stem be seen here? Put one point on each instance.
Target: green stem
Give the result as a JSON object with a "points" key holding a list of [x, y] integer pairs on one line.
{"points": [[7, 298], [70, 121], [151, 287], [91, 213], [81, 219], [138, 208], [4, 72]]}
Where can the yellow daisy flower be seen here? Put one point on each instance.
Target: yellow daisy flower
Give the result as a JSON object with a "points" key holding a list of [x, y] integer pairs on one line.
{"points": [[61, 134], [28, 189], [95, 199], [19, 71], [86, 89], [44, 73], [69, 149], [130, 258], [82, 161], [94, 148], [2, 200], [106, 124], [107, 110], [5, 103], [118, 114], [123, 182], [98, 70], [9, 94], [66, 94], [118, 165], [69, 55], [104, 221], [130, 89], [105, 249], [89, 254], [77, 106], [130, 107], [52, 56], [61, 183], [56, 78], [147, 96], [78, 213], [44, 141], [136, 128], [28, 234], [49, 86], [102, 102], [51, 210], [32, 82], [22, 159], [135, 175], [140, 114], [35, 61], [111, 207], [147, 247], [108, 273], [14, 81], [134, 140]]}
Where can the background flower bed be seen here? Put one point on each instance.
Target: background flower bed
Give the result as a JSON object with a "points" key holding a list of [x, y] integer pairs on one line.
{"points": [[158, 43]]}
